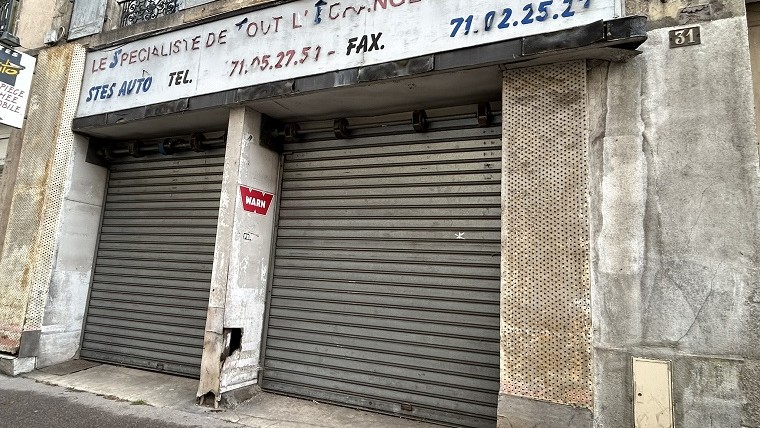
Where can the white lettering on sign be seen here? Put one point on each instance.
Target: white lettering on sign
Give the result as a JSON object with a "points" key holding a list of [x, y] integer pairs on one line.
{"points": [[310, 37], [255, 202]]}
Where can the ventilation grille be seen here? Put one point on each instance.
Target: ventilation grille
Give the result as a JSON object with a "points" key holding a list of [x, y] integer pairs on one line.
{"points": [[546, 309]]}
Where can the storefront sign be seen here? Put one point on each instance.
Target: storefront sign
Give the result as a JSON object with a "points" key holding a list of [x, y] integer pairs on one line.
{"points": [[256, 201], [16, 71], [309, 37]]}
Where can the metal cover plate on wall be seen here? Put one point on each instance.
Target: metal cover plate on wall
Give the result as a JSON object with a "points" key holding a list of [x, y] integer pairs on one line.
{"points": [[546, 307], [652, 396]]}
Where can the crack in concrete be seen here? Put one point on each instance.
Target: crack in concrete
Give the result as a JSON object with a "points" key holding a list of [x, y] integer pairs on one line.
{"points": [[704, 303], [570, 422], [684, 294], [699, 215]]}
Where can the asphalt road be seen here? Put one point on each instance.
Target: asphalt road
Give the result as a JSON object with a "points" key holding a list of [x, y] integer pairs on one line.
{"points": [[24, 403]]}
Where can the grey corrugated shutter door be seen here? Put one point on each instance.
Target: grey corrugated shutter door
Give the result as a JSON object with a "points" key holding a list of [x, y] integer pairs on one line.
{"points": [[152, 276], [385, 290]]}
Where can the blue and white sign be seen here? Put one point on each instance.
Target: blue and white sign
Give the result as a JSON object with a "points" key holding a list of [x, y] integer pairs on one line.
{"points": [[310, 37], [16, 71]]}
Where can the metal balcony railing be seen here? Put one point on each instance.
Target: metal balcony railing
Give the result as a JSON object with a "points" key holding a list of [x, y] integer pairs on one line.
{"points": [[134, 11], [7, 21]]}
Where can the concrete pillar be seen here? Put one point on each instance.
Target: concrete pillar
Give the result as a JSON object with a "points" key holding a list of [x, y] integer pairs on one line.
{"points": [[545, 310], [74, 262], [242, 257], [43, 180]]}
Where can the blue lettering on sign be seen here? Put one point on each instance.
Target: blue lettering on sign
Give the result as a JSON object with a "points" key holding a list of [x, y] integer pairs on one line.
{"points": [[115, 60], [542, 12], [319, 5], [127, 87]]}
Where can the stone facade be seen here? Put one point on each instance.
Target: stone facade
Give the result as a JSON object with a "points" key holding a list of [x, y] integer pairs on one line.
{"points": [[647, 196]]}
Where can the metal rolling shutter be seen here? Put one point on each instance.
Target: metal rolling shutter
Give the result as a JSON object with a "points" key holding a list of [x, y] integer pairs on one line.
{"points": [[385, 290], [152, 276]]}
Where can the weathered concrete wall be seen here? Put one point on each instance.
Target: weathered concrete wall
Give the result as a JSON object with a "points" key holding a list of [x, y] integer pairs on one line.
{"points": [[34, 19], [753, 22], [241, 261], [37, 18], [674, 227], [75, 259], [35, 212], [663, 14]]}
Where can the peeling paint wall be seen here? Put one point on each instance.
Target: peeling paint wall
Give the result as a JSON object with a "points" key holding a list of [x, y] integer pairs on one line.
{"points": [[37, 18], [35, 212], [250, 257], [674, 226], [671, 13], [241, 261]]}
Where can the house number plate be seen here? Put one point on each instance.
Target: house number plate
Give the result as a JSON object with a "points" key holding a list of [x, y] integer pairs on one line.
{"points": [[685, 37]]}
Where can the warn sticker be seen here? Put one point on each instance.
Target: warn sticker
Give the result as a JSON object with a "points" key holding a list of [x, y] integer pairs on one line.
{"points": [[256, 201]]}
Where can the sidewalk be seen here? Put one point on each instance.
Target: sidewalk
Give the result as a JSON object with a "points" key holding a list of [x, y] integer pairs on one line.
{"points": [[178, 394]]}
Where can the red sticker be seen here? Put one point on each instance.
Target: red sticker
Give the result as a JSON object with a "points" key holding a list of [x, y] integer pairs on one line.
{"points": [[256, 201]]}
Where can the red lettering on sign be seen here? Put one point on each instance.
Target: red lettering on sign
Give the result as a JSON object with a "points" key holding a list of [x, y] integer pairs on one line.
{"points": [[255, 201]]}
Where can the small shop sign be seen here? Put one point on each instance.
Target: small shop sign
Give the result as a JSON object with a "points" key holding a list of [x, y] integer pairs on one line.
{"points": [[16, 71]]}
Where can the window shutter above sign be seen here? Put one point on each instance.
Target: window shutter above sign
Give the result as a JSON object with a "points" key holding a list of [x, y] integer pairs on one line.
{"points": [[187, 4], [87, 18]]}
